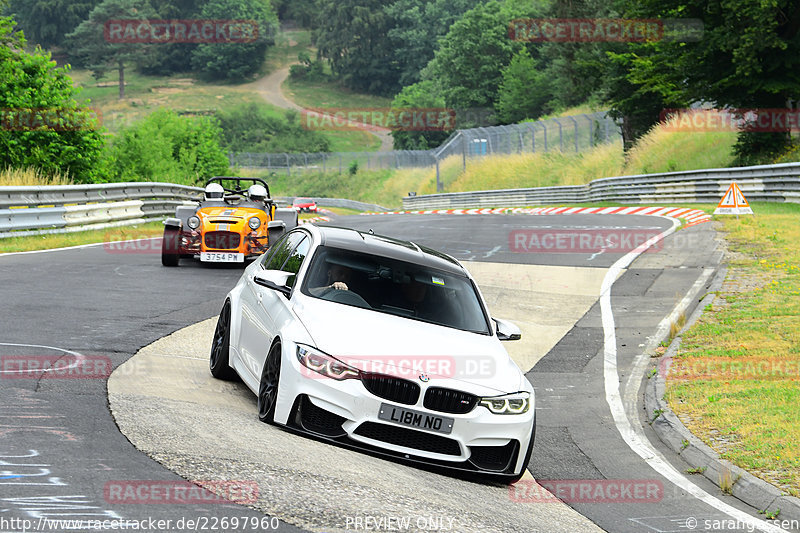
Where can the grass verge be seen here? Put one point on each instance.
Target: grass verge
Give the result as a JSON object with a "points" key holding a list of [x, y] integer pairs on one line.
{"points": [[330, 95], [734, 382], [63, 240], [29, 177]]}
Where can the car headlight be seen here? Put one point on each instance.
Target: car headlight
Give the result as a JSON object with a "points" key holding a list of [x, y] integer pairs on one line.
{"points": [[254, 223], [325, 364], [193, 222], [508, 404]]}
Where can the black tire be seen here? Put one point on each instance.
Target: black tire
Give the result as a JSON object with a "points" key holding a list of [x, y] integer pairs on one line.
{"points": [[268, 388], [517, 477], [220, 347], [170, 255]]}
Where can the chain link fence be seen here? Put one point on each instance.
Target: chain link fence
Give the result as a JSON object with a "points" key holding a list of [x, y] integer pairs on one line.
{"points": [[574, 133]]}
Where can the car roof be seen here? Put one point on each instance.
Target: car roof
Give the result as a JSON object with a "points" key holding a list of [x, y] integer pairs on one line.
{"points": [[381, 245]]}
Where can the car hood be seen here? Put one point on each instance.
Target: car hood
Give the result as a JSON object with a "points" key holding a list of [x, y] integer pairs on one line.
{"points": [[387, 344], [226, 218]]}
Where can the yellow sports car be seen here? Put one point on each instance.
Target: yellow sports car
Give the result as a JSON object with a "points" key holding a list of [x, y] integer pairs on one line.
{"points": [[231, 224]]}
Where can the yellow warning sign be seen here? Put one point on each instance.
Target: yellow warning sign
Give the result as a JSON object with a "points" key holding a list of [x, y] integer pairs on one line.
{"points": [[733, 202]]}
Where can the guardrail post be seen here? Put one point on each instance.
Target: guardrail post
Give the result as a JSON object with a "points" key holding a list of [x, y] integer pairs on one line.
{"points": [[575, 122], [438, 179], [560, 134], [463, 151], [288, 166], [545, 138]]}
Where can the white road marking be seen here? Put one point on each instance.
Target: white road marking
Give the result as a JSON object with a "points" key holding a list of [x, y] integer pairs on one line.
{"points": [[77, 247], [635, 439], [78, 358]]}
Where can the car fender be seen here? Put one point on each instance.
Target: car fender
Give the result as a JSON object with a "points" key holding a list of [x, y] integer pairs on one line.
{"points": [[234, 359], [173, 223], [288, 215], [183, 212]]}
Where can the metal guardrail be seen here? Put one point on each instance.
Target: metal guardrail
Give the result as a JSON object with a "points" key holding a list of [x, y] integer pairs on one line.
{"points": [[771, 183], [55, 195], [40, 210]]}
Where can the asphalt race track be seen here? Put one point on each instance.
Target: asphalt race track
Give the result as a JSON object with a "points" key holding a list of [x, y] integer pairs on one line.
{"points": [[62, 451]]}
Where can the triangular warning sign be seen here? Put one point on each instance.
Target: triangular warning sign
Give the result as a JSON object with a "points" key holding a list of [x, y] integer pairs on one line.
{"points": [[733, 202]]}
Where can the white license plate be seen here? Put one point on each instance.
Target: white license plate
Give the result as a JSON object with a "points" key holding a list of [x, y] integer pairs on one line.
{"points": [[415, 419], [221, 257]]}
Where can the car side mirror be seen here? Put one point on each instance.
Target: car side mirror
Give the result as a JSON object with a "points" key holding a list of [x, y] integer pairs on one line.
{"points": [[506, 331], [275, 280]]}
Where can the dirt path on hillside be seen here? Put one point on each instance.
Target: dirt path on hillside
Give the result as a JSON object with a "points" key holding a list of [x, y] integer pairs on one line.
{"points": [[269, 87]]}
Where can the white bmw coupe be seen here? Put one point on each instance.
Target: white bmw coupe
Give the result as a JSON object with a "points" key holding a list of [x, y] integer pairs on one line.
{"points": [[380, 344]]}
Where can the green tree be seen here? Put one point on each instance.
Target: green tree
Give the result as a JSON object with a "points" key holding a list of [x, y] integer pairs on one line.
{"points": [[468, 65], [747, 58], [46, 22], [171, 58], [352, 36], [41, 124], [422, 95], [168, 147], [524, 91], [302, 12], [251, 128], [89, 46], [416, 27], [637, 107], [233, 61]]}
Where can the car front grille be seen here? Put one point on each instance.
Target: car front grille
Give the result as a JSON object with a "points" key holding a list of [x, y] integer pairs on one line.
{"points": [[408, 438], [222, 240], [449, 400], [391, 388]]}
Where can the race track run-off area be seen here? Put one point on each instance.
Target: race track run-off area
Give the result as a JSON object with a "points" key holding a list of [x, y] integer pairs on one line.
{"points": [[588, 317]]}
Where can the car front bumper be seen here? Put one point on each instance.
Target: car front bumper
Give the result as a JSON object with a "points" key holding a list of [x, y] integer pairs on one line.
{"points": [[347, 412]]}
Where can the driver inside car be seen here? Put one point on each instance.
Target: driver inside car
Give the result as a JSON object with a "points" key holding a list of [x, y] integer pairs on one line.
{"points": [[338, 278], [213, 195]]}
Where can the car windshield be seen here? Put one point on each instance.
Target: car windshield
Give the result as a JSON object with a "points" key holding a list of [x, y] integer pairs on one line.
{"points": [[395, 287], [303, 201]]}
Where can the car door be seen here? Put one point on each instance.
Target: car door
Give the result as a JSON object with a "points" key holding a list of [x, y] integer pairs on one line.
{"points": [[264, 311]]}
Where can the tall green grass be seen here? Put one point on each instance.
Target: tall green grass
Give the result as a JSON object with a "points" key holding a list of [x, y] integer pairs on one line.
{"points": [[30, 177]]}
